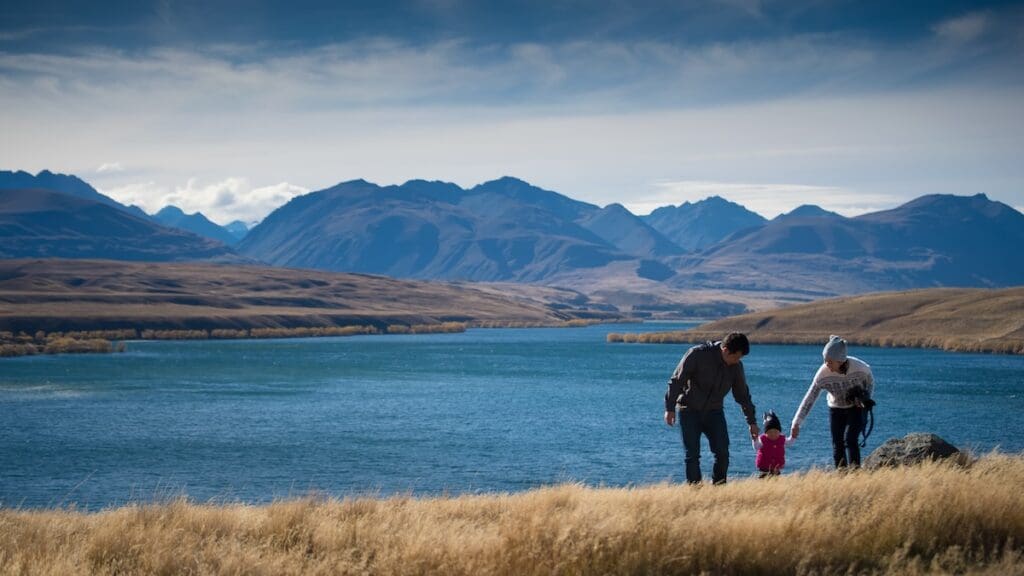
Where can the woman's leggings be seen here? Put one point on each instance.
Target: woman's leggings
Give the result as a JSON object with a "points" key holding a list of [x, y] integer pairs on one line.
{"points": [[847, 424]]}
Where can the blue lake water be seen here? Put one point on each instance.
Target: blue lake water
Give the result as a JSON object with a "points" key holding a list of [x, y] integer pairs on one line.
{"points": [[482, 411]]}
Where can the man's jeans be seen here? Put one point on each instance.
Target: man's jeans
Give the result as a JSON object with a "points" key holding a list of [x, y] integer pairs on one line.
{"points": [[711, 423]]}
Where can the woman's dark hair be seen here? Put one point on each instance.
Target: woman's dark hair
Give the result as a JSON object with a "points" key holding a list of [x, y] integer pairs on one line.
{"points": [[735, 342], [844, 367]]}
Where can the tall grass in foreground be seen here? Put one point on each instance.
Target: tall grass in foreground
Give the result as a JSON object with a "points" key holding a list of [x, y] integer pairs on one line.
{"points": [[934, 518]]}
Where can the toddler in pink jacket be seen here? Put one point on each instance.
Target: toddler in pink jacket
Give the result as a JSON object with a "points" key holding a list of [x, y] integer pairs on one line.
{"points": [[771, 447]]}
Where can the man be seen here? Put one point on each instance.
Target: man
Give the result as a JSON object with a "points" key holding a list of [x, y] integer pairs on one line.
{"points": [[697, 388]]}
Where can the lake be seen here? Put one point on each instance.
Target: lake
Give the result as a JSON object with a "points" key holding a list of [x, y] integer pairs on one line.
{"points": [[488, 410]]}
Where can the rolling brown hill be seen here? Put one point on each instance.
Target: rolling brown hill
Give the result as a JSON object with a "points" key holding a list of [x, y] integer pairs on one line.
{"points": [[65, 295], [964, 319]]}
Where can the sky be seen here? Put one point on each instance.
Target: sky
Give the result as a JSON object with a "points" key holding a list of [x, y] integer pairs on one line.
{"points": [[233, 108]]}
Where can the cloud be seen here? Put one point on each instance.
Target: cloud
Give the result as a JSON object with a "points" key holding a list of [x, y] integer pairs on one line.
{"points": [[600, 120], [109, 167], [964, 29], [768, 200], [572, 75], [222, 202], [754, 8]]}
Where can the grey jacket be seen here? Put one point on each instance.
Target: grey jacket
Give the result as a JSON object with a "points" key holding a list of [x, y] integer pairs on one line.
{"points": [[702, 379]]}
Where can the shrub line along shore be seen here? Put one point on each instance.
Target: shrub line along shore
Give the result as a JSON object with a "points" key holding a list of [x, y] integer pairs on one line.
{"points": [[934, 518], [107, 341], [949, 344], [953, 319]]}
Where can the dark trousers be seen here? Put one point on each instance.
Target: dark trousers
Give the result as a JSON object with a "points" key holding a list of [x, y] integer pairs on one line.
{"points": [[710, 423], [846, 424]]}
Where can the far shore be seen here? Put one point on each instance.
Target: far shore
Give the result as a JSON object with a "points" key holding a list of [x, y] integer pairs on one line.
{"points": [[64, 306], [110, 341], [952, 319], [949, 344]]}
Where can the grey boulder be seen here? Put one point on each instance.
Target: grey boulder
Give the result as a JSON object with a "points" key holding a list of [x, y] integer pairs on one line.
{"points": [[911, 449]]}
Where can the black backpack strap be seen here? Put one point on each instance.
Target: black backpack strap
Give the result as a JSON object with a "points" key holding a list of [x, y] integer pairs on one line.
{"points": [[868, 424]]}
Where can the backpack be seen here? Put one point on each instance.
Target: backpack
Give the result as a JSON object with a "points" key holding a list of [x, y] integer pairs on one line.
{"points": [[867, 414]]}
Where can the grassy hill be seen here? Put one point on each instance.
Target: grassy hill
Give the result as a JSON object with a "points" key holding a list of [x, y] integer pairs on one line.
{"points": [[930, 519], [964, 319], [84, 295]]}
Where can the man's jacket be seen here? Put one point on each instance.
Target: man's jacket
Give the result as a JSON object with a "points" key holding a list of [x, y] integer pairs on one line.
{"points": [[702, 379]]}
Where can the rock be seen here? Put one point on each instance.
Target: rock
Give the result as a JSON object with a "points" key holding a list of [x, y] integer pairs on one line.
{"points": [[911, 449]]}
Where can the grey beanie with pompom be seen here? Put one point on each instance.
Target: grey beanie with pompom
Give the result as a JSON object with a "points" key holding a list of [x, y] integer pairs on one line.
{"points": [[835, 349]]}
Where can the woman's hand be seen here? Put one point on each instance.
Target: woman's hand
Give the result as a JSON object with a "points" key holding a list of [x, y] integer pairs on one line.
{"points": [[794, 432]]}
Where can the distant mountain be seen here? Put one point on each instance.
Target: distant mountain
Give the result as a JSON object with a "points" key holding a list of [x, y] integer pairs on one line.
{"points": [[174, 217], [238, 229], [47, 224], [808, 211], [937, 240], [697, 225], [629, 233], [505, 229], [66, 184]]}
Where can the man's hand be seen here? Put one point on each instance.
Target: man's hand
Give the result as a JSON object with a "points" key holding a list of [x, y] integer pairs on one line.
{"points": [[670, 418], [794, 432], [755, 431]]}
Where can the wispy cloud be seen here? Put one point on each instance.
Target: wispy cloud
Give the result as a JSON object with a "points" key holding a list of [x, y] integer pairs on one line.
{"points": [[109, 167], [223, 202], [768, 200], [964, 29], [753, 8], [600, 120], [587, 75]]}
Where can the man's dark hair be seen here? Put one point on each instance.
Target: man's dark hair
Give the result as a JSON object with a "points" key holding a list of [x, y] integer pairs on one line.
{"points": [[736, 342]]}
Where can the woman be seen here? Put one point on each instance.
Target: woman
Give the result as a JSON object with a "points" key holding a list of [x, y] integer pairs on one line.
{"points": [[848, 381]]}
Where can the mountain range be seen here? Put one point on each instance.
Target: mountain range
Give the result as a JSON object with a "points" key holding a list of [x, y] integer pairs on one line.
{"points": [[46, 224], [504, 230], [64, 183], [508, 230], [170, 216], [934, 240], [696, 225], [174, 217]]}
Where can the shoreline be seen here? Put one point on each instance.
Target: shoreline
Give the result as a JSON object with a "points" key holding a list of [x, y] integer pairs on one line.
{"points": [[976, 320], [114, 341], [947, 344]]}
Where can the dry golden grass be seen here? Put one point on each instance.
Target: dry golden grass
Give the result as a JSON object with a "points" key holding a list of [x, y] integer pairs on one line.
{"points": [[101, 341], [80, 295], [934, 518], [57, 306], [106, 341], [443, 328], [960, 319]]}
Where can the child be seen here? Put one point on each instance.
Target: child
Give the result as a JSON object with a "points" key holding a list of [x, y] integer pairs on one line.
{"points": [[771, 447]]}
